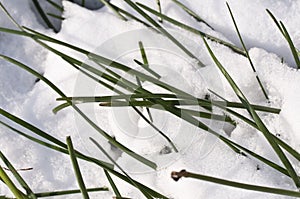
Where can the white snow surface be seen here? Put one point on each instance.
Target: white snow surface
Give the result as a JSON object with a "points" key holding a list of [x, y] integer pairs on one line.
{"points": [[102, 32]]}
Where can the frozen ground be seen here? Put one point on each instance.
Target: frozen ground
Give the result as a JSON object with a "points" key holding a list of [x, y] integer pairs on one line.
{"points": [[101, 31]]}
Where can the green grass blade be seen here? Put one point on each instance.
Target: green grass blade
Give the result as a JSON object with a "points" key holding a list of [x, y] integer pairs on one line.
{"points": [[76, 168], [260, 158], [152, 72], [143, 53], [276, 22], [292, 46], [158, 130], [10, 17], [5, 178], [163, 31], [191, 13], [258, 121], [33, 72], [247, 54], [147, 108], [286, 35], [68, 192], [60, 107], [285, 146], [112, 184], [31, 128], [133, 17], [15, 32], [108, 102], [193, 30], [159, 10], [55, 16], [170, 99], [55, 5], [146, 194], [46, 144], [19, 178], [43, 15], [177, 175], [117, 144], [146, 63], [107, 3]]}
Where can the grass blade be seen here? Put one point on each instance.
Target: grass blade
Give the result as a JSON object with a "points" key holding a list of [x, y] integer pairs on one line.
{"points": [[31, 128], [146, 63], [163, 31], [159, 10], [133, 17], [55, 5], [43, 15], [55, 16], [146, 194], [286, 35], [143, 53], [60, 107], [76, 168], [177, 175], [258, 121], [112, 184], [247, 54], [292, 46], [170, 99], [275, 21], [106, 3], [193, 30], [152, 72], [10, 17], [46, 144], [68, 192], [191, 13]]}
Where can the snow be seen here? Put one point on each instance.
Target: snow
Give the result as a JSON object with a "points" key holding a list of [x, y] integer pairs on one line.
{"points": [[102, 32]]}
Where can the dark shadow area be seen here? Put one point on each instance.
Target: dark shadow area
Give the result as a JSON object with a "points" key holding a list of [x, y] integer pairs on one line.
{"points": [[53, 9]]}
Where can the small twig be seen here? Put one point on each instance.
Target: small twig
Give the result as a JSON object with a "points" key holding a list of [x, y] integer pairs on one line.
{"points": [[23, 169], [177, 175]]}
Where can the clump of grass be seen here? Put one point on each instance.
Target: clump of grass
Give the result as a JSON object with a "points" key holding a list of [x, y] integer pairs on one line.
{"points": [[172, 101], [192, 29]]}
